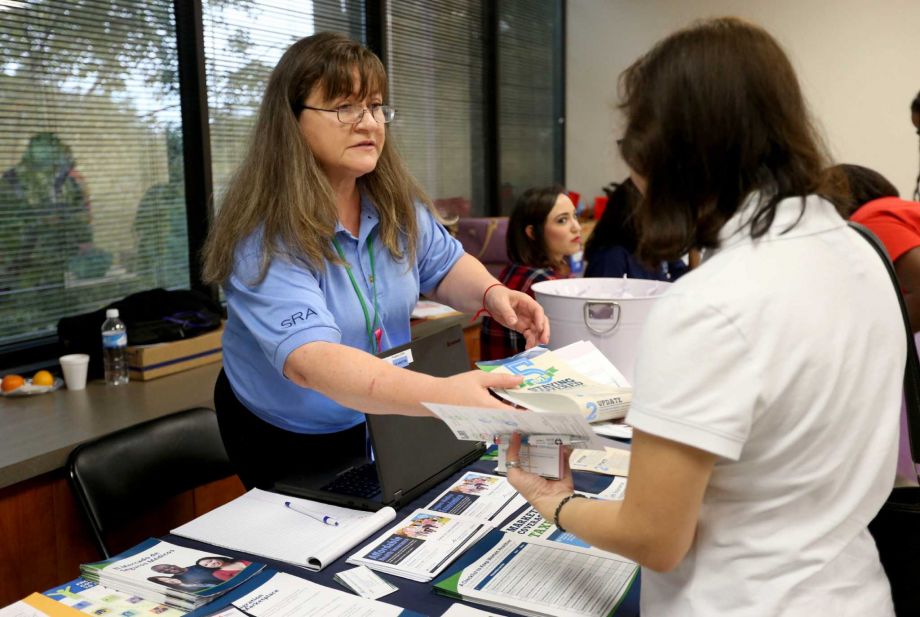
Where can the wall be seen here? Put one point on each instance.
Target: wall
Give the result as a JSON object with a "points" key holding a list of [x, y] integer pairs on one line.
{"points": [[858, 62]]}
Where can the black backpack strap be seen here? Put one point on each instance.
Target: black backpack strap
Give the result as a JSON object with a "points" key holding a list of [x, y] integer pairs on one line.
{"points": [[912, 367]]}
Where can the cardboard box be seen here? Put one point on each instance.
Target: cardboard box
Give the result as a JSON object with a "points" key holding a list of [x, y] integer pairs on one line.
{"points": [[147, 362]]}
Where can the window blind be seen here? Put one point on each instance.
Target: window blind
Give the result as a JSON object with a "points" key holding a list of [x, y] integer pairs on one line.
{"points": [[530, 61], [91, 191], [435, 68], [243, 42]]}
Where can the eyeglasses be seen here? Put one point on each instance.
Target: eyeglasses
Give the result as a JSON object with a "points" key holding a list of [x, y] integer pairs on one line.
{"points": [[353, 114]]}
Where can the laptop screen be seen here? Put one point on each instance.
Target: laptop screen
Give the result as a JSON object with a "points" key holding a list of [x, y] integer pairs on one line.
{"points": [[410, 451]]}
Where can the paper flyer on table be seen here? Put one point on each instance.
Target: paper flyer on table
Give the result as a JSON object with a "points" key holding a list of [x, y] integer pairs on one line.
{"points": [[535, 528], [291, 596], [421, 545], [481, 496], [611, 462], [259, 523], [462, 610], [484, 424], [528, 577], [551, 384]]}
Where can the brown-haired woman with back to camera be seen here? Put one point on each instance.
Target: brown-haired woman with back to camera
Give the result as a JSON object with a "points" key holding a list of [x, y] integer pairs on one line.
{"points": [[322, 245], [760, 452]]}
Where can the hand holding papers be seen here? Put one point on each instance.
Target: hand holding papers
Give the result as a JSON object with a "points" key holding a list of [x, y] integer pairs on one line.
{"points": [[483, 424], [552, 383]]}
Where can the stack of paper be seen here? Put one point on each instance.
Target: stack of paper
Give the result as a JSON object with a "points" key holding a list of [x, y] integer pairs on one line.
{"points": [[286, 528], [169, 574], [95, 599], [576, 378], [429, 539], [530, 567]]}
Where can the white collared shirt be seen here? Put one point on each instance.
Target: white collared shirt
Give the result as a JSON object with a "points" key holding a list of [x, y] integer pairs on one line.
{"points": [[784, 356]]}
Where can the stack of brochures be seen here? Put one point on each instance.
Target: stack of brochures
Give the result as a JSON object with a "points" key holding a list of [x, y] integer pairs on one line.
{"points": [[168, 574], [89, 597], [530, 567], [429, 539], [577, 378]]}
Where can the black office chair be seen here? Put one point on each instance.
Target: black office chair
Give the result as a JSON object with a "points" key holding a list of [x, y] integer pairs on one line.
{"points": [[115, 476]]}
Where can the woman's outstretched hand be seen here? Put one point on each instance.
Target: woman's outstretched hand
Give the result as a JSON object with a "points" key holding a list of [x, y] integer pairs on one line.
{"points": [[519, 312], [472, 389]]}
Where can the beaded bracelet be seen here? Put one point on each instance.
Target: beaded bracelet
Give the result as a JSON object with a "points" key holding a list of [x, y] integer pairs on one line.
{"points": [[564, 501]]}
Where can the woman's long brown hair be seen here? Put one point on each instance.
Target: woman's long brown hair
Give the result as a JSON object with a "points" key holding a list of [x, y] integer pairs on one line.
{"points": [[281, 187], [714, 113]]}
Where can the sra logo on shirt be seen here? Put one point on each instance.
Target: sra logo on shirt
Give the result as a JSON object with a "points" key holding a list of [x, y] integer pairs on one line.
{"points": [[289, 322]]}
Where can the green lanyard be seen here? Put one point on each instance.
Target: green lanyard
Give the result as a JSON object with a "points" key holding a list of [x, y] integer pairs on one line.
{"points": [[373, 332]]}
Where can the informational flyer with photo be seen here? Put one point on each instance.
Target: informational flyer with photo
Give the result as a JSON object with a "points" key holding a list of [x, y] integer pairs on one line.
{"points": [[524, 575], [481, 496], [421, 545]]}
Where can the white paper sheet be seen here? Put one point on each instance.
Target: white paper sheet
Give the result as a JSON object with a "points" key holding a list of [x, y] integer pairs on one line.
{"points": [[483, 424]]}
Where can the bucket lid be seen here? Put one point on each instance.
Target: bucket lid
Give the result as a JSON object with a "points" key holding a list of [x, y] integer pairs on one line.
{"points": [[602, 288]]}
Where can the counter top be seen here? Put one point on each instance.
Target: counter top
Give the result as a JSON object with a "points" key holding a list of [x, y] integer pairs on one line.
{"points": [[38, 432]]}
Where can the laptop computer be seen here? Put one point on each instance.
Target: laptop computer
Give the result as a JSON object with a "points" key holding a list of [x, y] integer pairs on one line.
{"points": [[411, 454]]}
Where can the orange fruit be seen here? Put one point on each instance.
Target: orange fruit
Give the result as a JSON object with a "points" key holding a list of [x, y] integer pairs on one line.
{"points": [[43, 378], [11, 382]]}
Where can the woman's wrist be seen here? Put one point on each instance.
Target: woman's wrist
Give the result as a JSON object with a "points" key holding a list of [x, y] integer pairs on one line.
{"points": [[561, 506], [485, 295]]}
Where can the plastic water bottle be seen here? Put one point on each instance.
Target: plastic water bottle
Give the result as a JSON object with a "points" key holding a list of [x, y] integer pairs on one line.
{"points": [[115, 349]]}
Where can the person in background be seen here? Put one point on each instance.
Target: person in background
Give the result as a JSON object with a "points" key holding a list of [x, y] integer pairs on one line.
{"points": [[322, 245], [759, 454], [915, 120], [542, 232], [46, 211], [876, 204], [611, 249]]}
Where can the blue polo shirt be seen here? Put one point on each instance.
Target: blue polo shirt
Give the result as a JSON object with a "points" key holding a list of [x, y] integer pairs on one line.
{"points": [[295, 305]]}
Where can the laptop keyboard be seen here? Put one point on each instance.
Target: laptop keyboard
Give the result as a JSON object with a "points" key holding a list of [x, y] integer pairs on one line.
{"points": [[358, 481]]}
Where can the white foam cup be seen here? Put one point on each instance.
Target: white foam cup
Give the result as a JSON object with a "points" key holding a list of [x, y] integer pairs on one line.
{"points": [[74, 367]]}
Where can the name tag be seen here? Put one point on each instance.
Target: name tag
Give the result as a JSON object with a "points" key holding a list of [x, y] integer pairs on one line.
{"points": [[401, 359]]}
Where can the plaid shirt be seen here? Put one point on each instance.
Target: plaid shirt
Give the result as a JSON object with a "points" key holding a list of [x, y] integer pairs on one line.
{"points": [[497, 342]]}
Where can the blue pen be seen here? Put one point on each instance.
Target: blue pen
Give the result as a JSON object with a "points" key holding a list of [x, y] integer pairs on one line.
{"points": [[322, 518]]}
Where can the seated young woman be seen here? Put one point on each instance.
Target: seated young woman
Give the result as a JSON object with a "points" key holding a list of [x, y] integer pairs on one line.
{"points": [[611, 249], [542, 231]]}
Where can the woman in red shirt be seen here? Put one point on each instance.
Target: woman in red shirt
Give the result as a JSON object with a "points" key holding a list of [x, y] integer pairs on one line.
{"points": [[542, 231]]}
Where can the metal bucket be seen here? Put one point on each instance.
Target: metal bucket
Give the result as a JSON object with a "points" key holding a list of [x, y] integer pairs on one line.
{"points": [[609, 312]]}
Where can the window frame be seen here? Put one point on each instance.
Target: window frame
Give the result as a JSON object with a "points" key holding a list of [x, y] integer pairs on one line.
{"points": [[33, 354]]}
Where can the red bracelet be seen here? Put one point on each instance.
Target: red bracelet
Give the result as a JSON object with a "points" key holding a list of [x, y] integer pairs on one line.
{"points": [[484, 309]]}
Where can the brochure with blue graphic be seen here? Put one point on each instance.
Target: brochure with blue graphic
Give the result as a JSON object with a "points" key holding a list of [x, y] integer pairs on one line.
{"points": [[95, 599], [174, 575], [551, 383], [429, 539], [531, 568]]}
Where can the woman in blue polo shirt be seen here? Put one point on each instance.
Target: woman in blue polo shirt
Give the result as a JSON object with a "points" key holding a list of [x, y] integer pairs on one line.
{"points": [[322, 245]]}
